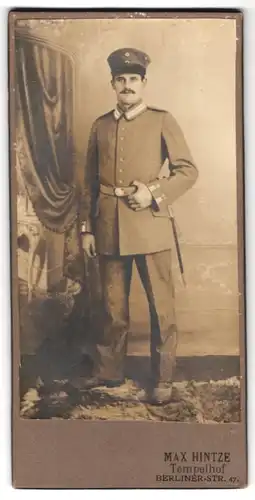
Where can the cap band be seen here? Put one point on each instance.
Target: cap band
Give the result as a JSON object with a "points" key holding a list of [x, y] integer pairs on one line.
{"points": [[136, 69]]}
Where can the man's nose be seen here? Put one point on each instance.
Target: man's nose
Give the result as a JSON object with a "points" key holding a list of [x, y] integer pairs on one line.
{"points": [[128, 87]]}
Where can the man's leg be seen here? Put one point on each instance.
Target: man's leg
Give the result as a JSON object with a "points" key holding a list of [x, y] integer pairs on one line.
{"points": [[110, 351], [156, 275]]}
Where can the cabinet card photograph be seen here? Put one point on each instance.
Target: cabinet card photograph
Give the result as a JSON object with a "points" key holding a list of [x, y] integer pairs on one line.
{"points": [[127, 218]]}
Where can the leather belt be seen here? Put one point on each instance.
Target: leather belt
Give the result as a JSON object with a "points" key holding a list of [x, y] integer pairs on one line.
{"points": [[118, 191]]}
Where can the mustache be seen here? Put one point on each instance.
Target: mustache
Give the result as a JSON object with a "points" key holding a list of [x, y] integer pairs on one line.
{"points": [[127, 91]]}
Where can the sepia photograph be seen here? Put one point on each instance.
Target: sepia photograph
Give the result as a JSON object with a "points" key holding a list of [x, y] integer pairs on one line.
{"points": [[128, 217]]}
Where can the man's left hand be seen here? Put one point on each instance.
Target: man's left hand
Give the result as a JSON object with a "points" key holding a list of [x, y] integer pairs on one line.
{"points": [[142, 198]]}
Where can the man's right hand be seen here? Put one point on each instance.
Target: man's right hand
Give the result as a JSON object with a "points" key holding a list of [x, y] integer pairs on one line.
{"points": [[89, 244]]}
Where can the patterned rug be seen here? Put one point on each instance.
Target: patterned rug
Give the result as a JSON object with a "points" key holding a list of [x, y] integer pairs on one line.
{"points": [[201, 402]]}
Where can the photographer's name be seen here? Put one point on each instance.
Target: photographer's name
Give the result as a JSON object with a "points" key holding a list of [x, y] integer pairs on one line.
{"points": [[197, 457]]}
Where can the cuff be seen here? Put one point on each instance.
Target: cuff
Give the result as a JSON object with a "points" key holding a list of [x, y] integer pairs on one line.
{"points": [[85, 227], [157, 195]]}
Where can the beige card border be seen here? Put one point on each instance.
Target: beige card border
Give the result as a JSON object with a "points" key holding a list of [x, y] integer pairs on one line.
{"points": [[78, 454]]}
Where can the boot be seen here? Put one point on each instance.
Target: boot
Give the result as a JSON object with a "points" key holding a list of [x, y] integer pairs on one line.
{"points": [[161, 394]]}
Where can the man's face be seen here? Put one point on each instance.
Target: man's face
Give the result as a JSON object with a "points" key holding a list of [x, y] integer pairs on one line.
{"points": [[128, 87]]}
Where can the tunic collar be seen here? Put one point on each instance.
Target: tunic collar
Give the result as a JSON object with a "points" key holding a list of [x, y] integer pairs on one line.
{"points": [[131, 113]]}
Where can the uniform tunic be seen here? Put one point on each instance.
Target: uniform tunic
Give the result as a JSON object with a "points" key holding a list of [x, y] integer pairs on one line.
{"points": [[127, 147]]}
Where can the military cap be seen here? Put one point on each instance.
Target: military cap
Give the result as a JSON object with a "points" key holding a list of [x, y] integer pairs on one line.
{"points": [[128, 60]]}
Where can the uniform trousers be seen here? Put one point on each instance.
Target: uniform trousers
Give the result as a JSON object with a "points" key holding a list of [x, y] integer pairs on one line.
{"points": [[156, 277]]}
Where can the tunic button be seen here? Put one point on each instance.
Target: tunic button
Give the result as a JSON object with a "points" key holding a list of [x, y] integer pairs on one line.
{"points": [[120, 170], [121, 159], [121, 182], [121, 138]]}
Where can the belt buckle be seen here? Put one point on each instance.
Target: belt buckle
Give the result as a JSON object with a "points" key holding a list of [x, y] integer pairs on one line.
{"points": [[118, 191]]}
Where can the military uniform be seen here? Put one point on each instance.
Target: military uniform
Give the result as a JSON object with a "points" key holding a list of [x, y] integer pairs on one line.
{"points": [[123, 147]]}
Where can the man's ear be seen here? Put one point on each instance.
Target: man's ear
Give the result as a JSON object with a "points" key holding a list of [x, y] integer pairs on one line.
{"points": [[113, 83], [144, 81]]}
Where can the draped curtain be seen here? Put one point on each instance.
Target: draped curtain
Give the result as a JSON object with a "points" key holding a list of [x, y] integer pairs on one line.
{"points": [[44, 90], [45, 97]]}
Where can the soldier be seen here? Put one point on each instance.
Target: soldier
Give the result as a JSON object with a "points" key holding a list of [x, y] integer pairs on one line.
{"points": [[126, 220]]}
